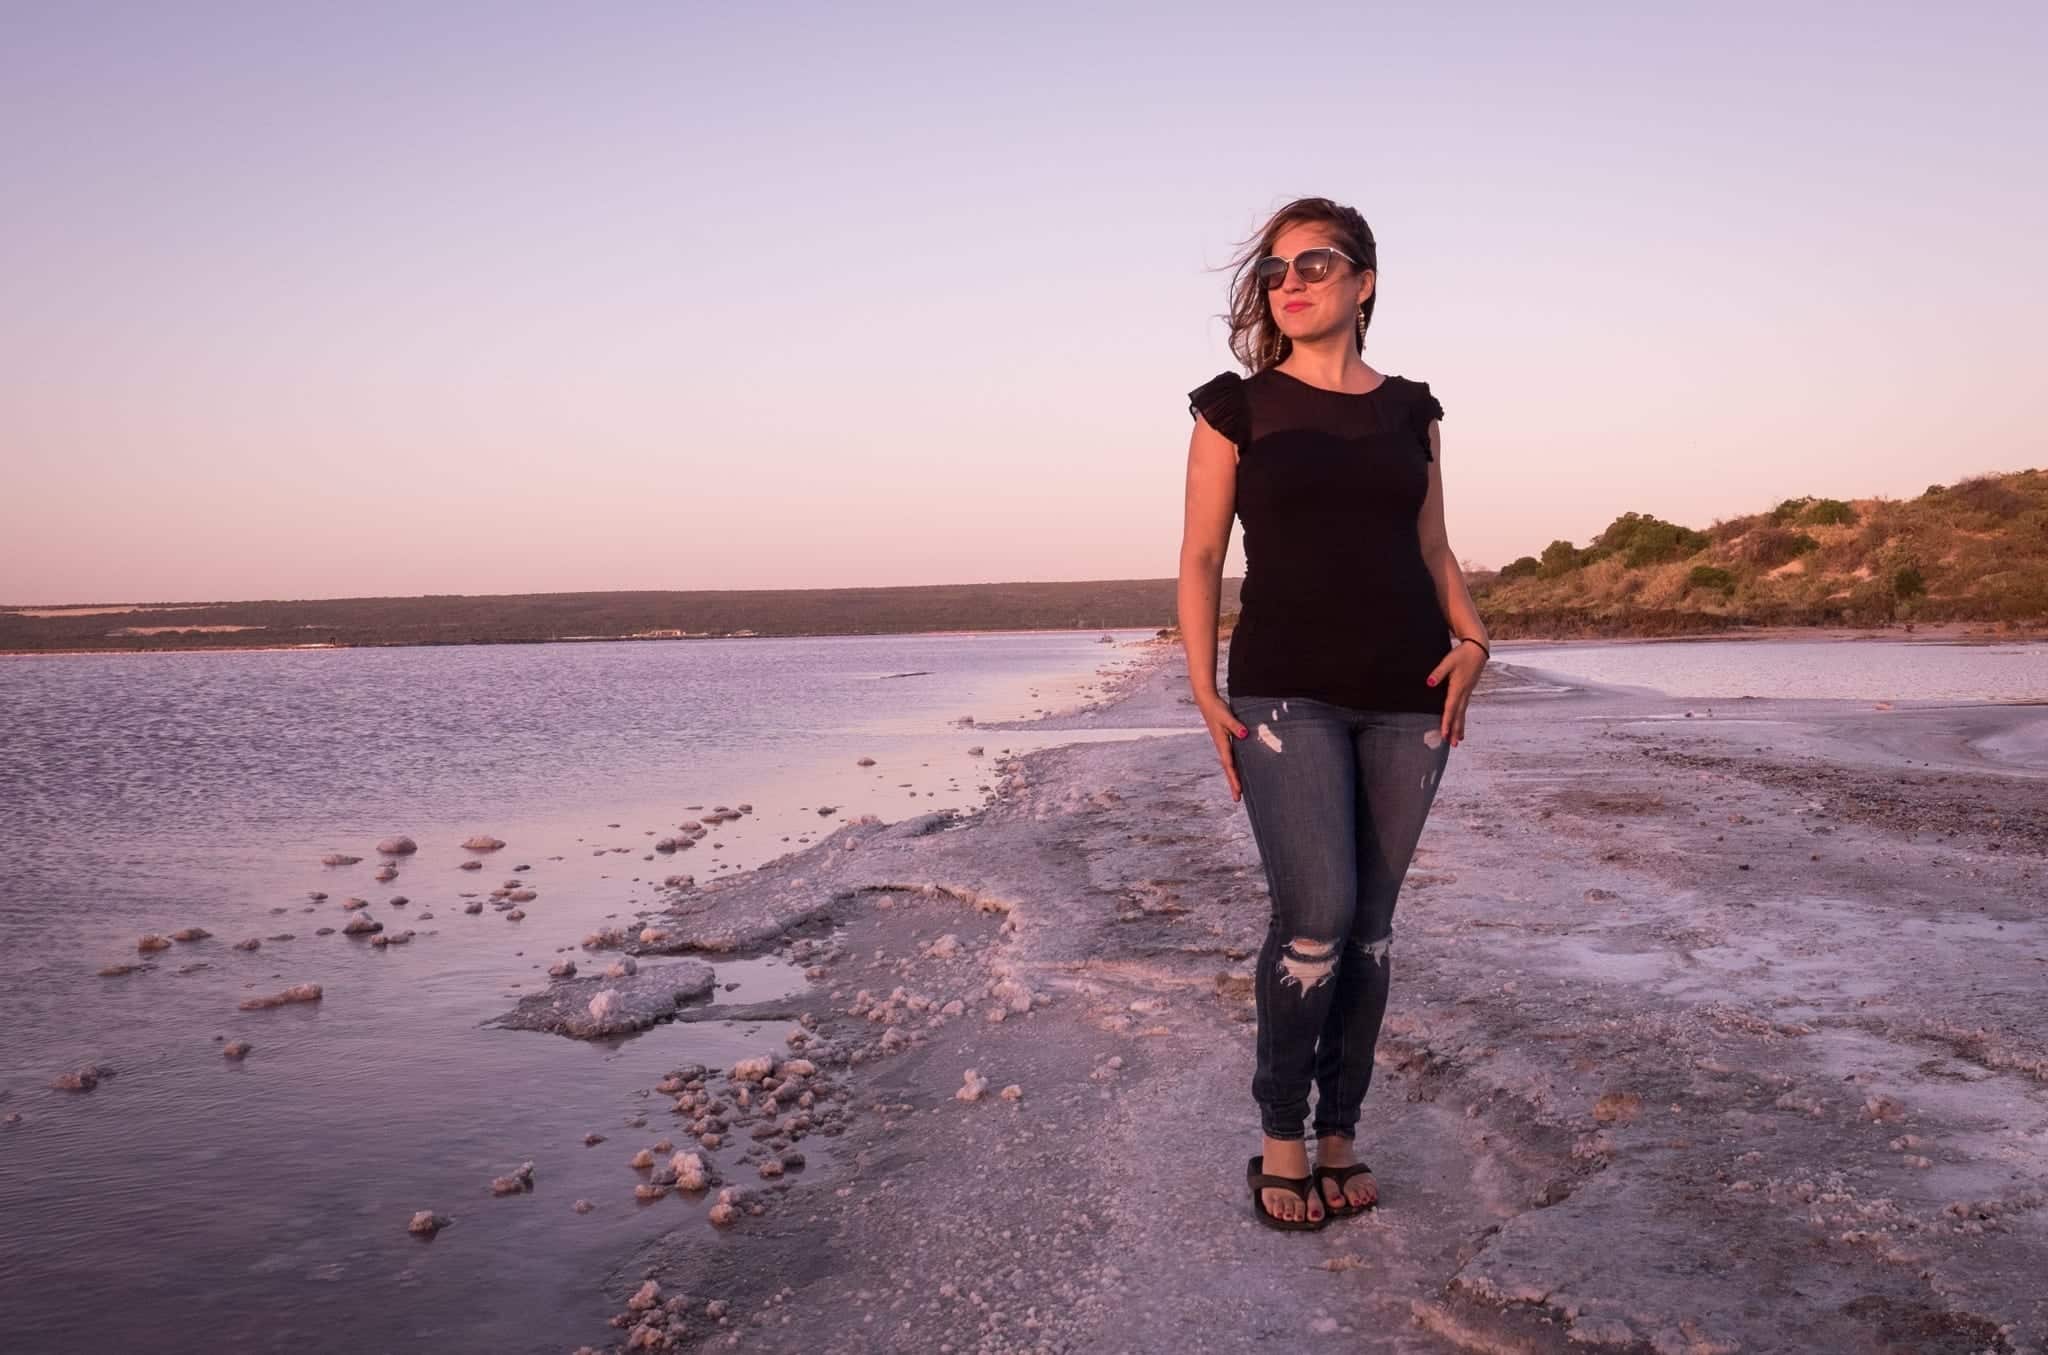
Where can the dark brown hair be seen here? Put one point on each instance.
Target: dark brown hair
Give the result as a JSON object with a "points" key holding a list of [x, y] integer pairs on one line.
{"points": [[1254, 338]]}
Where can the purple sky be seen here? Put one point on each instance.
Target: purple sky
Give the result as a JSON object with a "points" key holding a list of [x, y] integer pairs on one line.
{"points": [[309, 301]]}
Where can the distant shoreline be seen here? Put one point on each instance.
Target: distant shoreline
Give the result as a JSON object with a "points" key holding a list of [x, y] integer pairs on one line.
{"points": [[1150, 631], [1939, 632]]}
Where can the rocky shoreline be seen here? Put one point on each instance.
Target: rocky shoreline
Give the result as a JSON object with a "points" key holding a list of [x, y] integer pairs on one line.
{"points": [[1712, 1031]]}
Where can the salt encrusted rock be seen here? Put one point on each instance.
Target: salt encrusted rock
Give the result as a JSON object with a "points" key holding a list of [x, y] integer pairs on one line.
{"points": [[583, 1206], [426, 1223], [392, 938], [592, 1140], [516, 915], [484, 842], [80, 1079], [945, 948], [690, 1171], [339, 859], [236, 1050], [383, 873], [649, 1190], [973, 1084], [622, 968], [770, 1168], [362, 924], [727, 1208], [398, 846], [249, 943], [642, 1160], [523, 895], [516, 1182], [562, 969], [302, 992], [115, 971], [754, 1069], [649, 1295], [191, 934], [473, 907], [1013, 1092], [797, 1068], [590, 1009], [351, 905]]}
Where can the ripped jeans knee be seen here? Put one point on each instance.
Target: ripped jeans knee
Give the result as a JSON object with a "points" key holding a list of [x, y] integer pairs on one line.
{"points": [[1307, 963]]}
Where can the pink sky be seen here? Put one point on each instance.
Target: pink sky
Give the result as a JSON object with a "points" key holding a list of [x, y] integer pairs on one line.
{"points": [[502, 298]]}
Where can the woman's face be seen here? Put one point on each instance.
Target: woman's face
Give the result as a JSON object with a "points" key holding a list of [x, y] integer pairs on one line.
{"points": [[1307, 311]]}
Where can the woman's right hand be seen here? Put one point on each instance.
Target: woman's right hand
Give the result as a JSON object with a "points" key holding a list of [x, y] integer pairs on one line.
{"points": [[1223, 727]]}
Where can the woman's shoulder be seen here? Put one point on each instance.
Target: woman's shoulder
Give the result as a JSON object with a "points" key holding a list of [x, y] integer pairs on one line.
{"points": [[1416, 396], [1221, 401]]}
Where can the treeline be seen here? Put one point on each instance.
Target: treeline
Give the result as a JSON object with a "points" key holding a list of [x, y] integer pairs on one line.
{"points": [[447, 619]]}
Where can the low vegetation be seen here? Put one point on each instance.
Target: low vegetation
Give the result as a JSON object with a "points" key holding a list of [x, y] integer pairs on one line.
{"points": [[1974, 551]]}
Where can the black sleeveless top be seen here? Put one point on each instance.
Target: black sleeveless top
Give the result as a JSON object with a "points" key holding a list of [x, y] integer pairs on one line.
{"points": [[1337, 603]]}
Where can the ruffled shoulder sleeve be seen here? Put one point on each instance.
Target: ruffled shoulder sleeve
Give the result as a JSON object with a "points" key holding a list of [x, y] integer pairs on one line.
{"points": [[1221, 401], [1423, 407]]}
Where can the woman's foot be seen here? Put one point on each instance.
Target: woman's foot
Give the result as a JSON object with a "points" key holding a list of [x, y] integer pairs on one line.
{"points": [[1289, 1157], [1334, 1150]]}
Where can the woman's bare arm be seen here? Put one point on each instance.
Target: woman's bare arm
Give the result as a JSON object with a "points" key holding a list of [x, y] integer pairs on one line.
{"points": [[1451, 593], [1205, 538]]}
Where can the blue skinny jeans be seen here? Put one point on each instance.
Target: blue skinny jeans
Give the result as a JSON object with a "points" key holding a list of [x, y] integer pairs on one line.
{"points": [[1337, 798]]}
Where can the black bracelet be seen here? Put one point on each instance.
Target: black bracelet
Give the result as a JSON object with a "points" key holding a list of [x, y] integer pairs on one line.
{"points": [[1481, 643]]}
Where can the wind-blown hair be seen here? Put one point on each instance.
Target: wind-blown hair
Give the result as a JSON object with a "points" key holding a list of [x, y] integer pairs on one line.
{"points": [[1255, 340]]}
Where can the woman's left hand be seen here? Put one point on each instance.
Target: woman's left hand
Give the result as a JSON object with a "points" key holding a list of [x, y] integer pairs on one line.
{"points": [[1461, 667]]}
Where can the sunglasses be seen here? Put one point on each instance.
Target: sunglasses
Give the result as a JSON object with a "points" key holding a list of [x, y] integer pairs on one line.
{"points": [[1312, 265]]}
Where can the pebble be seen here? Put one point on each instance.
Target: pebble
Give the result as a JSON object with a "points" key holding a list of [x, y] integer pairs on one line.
{"points": [[302, 992]]}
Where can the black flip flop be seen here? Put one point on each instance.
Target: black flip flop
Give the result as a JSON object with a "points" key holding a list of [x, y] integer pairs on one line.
{"points": [[1340, 1175], [1297, 1185]]}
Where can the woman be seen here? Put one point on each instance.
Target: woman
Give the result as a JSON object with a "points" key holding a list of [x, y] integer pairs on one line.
{"points": [[1356, 649]]}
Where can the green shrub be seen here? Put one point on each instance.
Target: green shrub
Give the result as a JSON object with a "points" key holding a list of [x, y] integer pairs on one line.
{"points": [[1641, 539], [1828, 513], [1907, 582], [1710, 576], [1524, 568], [1559, 557], [1788, 510]]}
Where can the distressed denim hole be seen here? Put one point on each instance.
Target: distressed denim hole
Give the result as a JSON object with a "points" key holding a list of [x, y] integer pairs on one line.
{"points": [[1306, 963]]}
